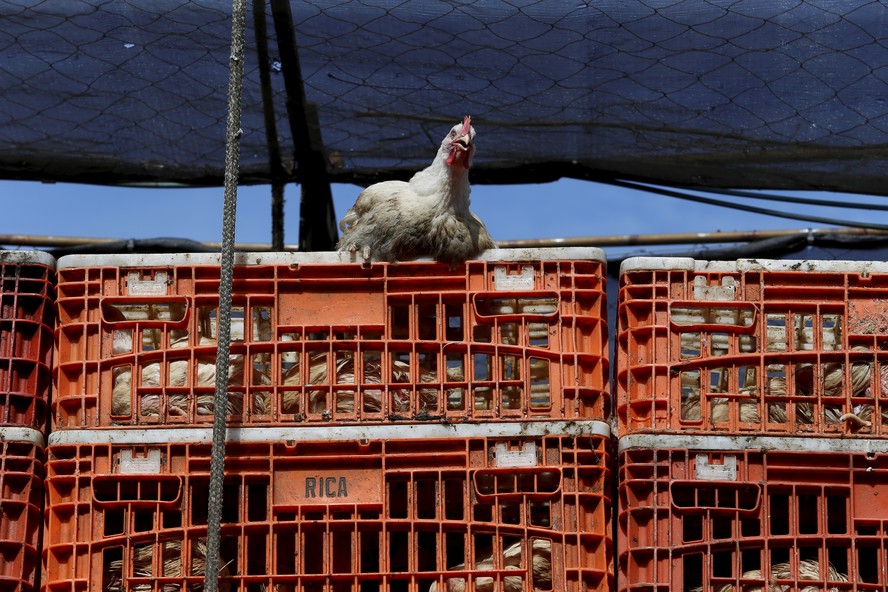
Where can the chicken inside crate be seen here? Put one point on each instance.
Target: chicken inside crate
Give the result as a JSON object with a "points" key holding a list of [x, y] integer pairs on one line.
{"points": [[754, 347], [318, 341], [739, 513], [375, 513]]}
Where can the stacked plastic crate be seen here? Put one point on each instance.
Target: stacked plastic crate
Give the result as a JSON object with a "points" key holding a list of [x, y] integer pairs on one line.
{"points": [[391, 426], [752, 414], [27, 293]]}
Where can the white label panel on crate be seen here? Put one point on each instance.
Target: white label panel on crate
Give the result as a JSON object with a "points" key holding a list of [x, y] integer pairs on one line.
{"points": [[525, 456], [139, 465], [135, 286], [301, 487], [726, 291], [523, 281], [707, 471]]}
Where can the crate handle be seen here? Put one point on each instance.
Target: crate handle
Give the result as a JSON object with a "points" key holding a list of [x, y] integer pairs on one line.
{"points": [[137, 490], [726, 497], [511, 483], [517, 304], [713, 316], [166, 310]]}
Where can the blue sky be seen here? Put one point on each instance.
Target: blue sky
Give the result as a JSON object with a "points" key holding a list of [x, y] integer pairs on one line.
{"points": [[566, 208]]}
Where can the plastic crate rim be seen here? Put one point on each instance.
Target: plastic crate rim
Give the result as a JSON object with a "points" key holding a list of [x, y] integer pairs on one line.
{"points": [[321, 257], [739, 265], [737, 442], [333, 433], [23, 257], [22, 434]]}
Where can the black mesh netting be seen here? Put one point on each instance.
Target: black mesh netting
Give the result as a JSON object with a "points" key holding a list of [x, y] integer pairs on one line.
{"points": [[750, 93]]}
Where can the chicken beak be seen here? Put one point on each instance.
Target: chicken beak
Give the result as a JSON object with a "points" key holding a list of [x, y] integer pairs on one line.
{"points": [[464, 141], [461, 147], [465, 134]]}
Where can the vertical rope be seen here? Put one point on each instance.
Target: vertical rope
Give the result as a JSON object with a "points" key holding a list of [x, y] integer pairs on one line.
{"points": [[223, 331]]}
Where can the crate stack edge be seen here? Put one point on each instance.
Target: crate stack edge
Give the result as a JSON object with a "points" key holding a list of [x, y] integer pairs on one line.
{"points": [[392, 427], [22, 503], [368, 507], [751, 405], [27, 320], [753, 347], [736, 512]]}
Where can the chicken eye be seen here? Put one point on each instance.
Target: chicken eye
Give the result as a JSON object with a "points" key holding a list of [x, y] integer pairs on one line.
{"points": [[452, 133]]}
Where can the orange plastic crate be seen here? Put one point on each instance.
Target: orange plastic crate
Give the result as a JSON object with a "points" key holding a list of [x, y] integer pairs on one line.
{"points": [[21, 508], [351, 508], [520, 335], [733, 512], [27, 319], [753, 346]]}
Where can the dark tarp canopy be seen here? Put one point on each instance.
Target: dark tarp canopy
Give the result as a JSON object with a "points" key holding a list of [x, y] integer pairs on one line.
{"points": [[750, 93]]}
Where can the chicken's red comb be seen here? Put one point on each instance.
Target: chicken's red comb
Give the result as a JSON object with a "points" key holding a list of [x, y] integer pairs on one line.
{"points": [[467, 125]]}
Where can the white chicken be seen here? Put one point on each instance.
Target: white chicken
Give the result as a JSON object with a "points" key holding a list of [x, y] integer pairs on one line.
{"points": [[720, 407], [177, 403], [170, 566], [809, 570], [833, 384], [540, 565], [370, 400], [428, 216]]}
